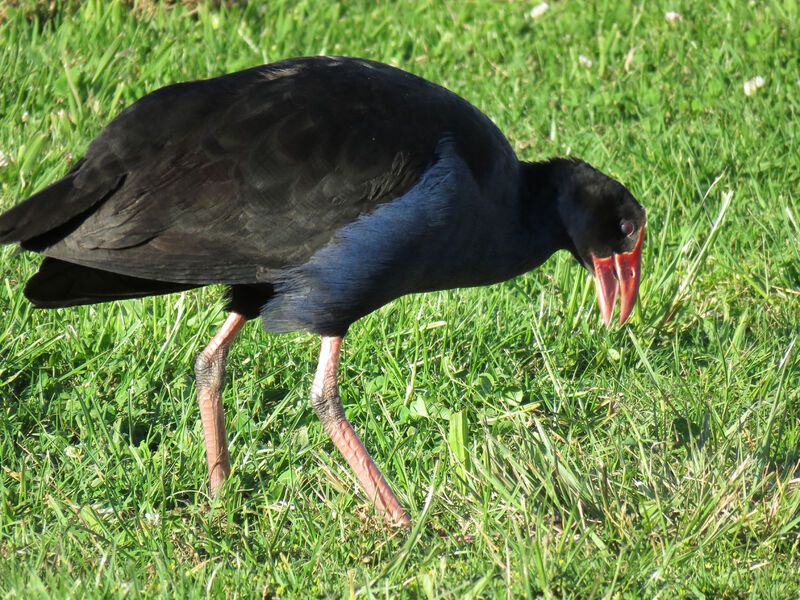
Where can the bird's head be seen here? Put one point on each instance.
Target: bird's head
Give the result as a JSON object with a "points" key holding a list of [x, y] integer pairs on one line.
{"points": [[605, 224]]}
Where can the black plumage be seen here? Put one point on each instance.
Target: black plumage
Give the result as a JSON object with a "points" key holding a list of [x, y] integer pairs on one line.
{"points": [[267, 156], [318, 189]]}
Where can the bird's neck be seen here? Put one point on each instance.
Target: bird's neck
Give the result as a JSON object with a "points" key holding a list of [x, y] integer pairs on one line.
{"points": [[541, 183]]}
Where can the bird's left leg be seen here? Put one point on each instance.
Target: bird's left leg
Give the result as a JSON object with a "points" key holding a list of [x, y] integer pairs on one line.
{"points": [[209, 372], [328, 405]]}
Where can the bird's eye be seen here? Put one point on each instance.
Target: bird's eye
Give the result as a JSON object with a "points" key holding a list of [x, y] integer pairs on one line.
{"points": [[626, 227]]}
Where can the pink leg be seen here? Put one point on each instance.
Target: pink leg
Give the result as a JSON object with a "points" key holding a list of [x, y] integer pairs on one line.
{"points": [[328, 405], [209, 371]]}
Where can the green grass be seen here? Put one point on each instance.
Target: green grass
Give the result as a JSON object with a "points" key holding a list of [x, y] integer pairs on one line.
{"points": [[539, 454]]}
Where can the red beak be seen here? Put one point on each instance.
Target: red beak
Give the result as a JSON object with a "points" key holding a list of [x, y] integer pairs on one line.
{"points": [[618, 272]]}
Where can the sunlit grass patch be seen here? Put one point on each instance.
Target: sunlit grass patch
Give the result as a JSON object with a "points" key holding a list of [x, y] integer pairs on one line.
{"points": [[540, 454]]}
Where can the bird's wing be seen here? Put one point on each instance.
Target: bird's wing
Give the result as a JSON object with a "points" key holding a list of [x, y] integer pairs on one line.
{"points": [[235, 179]]}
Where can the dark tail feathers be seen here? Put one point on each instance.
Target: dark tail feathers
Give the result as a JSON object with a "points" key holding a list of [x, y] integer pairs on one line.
{"points": [[59, 283], [50, 214]]}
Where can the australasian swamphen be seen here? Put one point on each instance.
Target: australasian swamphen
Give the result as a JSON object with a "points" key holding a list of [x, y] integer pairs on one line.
{"points": [[318, 189]]}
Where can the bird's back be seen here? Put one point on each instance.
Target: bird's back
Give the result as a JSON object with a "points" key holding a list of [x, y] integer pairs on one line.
{"points": [[233, 179], [243, 179]]}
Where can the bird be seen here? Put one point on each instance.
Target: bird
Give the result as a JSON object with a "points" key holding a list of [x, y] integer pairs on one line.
{"points": [[317, 189]]}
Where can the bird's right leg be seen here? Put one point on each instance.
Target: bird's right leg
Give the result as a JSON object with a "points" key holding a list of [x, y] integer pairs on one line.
{"points": [[328, 405], [209, 371]]}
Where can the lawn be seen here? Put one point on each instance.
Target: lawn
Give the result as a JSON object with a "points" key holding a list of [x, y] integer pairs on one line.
{"points": [[539, 454]]}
